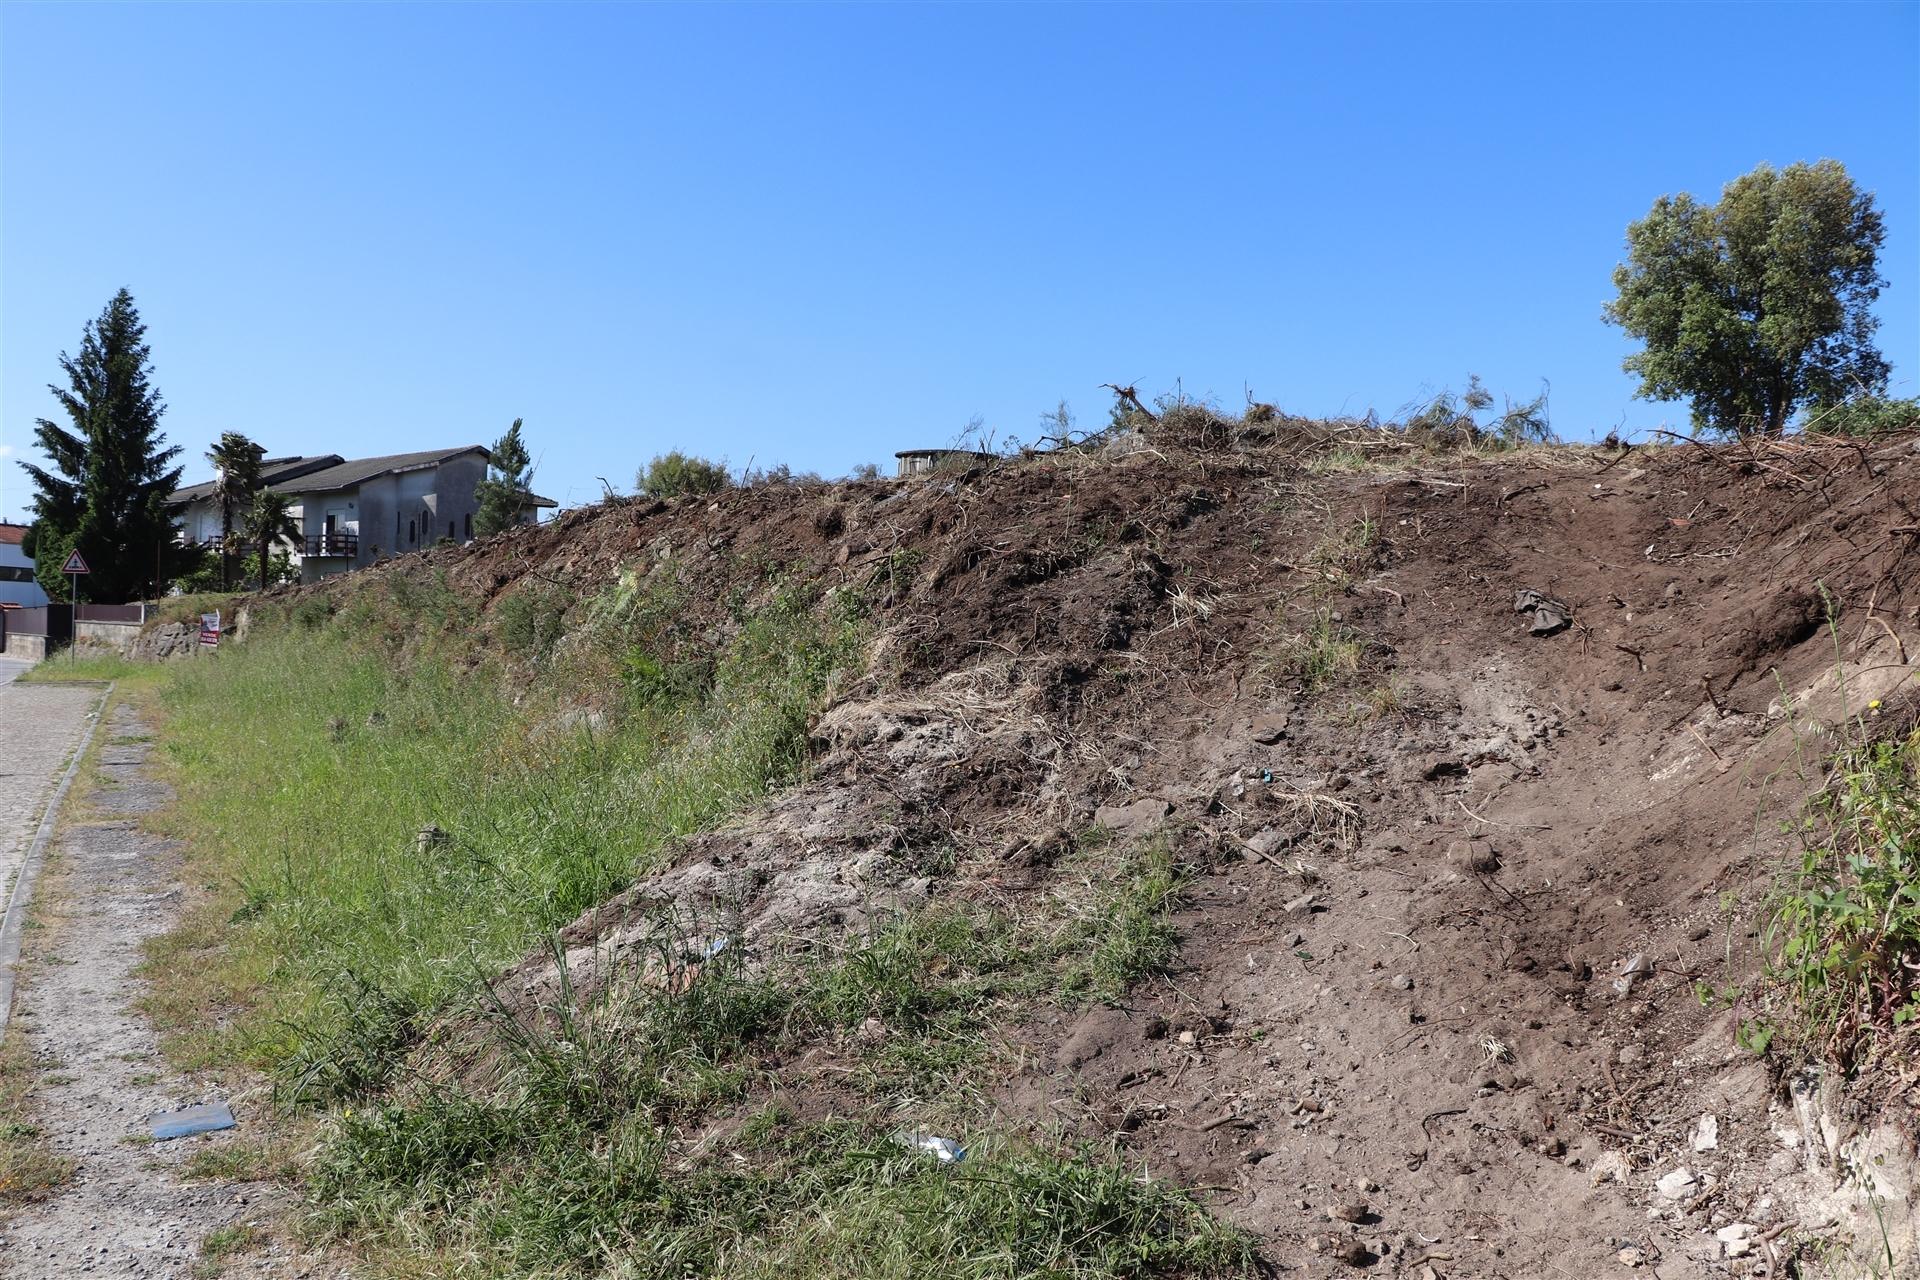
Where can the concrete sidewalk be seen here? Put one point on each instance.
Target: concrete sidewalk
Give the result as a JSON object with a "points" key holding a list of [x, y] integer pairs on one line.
{"points": [[40, 725]]}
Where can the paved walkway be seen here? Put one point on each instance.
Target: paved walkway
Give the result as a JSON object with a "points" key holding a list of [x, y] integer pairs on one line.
{"points": [[40, 725], [127, 1213]]}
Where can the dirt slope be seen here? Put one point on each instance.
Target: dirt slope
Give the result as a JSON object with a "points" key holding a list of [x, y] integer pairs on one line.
{"points": [[1424, 877]]}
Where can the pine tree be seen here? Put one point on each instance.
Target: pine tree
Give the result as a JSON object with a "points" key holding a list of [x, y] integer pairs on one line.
{"points": [[504, 494], [112, 477]]}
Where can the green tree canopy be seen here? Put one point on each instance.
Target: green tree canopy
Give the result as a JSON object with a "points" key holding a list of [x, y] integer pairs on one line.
{"points": [[112, 477], [504, 493], [236, 474], [1759, 304], [269, 520]]}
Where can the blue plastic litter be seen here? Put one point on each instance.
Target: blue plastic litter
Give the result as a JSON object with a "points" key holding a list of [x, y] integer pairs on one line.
{"points": [[208, 1117]]}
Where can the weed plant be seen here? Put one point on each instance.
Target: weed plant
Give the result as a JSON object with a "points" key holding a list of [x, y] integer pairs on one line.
{"points": [[1844, 933]]}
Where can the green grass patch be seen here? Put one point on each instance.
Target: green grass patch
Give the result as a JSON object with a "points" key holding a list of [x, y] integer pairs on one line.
{"points": [[1324, 653], [29, 1170], [309, 759], [226, 1241], [576, 1158], [64, 668]]}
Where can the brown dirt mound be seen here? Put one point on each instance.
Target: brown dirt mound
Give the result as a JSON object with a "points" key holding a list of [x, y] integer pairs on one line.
{"points": [[1410, 965]]}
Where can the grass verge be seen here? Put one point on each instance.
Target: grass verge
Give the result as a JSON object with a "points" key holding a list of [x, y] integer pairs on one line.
{"points": [[29, 1170]]}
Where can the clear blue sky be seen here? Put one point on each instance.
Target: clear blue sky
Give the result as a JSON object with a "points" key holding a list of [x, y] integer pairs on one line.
{"points": [[816, 234]]}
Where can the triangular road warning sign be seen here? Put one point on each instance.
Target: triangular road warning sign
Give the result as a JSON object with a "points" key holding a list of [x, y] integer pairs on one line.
{"points": [[76, 563]]}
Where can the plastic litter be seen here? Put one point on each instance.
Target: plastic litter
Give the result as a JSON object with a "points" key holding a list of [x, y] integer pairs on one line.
{"points": [[945, 1150], [207, 1117], [1631, 972]]}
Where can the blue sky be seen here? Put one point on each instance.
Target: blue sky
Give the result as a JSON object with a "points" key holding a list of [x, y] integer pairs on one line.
{"points": [[817, 234]]}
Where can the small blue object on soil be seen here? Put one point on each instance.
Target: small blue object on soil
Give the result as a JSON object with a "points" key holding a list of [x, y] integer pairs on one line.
{"points": [[205, 1118]]}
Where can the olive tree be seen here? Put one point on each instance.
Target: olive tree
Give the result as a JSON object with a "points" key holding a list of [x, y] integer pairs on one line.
{"points": [[1759, 304]]}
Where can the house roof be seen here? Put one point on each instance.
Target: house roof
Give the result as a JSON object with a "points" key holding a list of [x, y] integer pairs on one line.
{"points": [[329, 472], [12, 534], [345, 475], [273, 472]]}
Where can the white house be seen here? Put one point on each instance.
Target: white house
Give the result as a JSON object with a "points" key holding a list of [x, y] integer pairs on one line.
{"points": [[17, 585], [353, 512]]}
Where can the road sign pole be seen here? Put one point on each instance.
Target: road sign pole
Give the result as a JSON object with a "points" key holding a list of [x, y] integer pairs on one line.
{"points": [[75, 566]]}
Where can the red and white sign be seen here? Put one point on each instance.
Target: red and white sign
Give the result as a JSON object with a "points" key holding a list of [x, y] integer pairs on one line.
{"points": [[210, 629], [76, 563]]}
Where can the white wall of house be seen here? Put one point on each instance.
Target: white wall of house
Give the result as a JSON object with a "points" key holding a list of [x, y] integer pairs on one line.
{"points": [[16, 578], [390, 514]]}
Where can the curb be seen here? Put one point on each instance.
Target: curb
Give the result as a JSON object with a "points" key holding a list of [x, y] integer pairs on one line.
{"points": [[22, 897]]}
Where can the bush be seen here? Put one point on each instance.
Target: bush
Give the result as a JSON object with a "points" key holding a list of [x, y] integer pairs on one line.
{"points": [[1452, 422], [779, 476], [205, 575], [1844, 936], [675, 474], [1866, 416]]}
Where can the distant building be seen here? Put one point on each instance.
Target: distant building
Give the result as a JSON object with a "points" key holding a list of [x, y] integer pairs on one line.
{"points": [[353, 512], [17, 585], [922, 462]]}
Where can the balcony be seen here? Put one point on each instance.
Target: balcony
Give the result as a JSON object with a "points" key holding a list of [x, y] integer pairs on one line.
{"points": [[333, 544]]}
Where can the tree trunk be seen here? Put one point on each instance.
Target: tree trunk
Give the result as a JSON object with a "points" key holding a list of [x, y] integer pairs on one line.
{"points": [[1779, 407], [265, 543]]}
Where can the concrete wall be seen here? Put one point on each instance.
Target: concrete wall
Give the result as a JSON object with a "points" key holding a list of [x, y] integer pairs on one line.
{"points": [[31, 648], [117, 636], [457, 502]]}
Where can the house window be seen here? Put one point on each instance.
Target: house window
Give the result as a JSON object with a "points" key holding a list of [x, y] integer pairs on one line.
{"points": [[413, 535]]}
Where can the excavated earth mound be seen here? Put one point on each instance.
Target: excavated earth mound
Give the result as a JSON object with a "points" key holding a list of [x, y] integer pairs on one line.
{"points": [[1481, 764]]}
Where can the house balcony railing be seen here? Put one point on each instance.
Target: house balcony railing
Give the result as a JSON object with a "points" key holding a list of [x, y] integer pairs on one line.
{"points": [[333, 544]]}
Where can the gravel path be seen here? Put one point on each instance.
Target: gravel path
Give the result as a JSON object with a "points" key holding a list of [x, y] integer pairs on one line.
{"points": [[125, 1214]]}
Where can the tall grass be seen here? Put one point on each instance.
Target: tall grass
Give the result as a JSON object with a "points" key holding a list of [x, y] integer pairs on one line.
{"points": [[309, 762]]}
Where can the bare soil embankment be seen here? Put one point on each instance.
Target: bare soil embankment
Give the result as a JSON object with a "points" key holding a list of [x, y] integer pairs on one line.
{"points": [[1460, 867]]}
